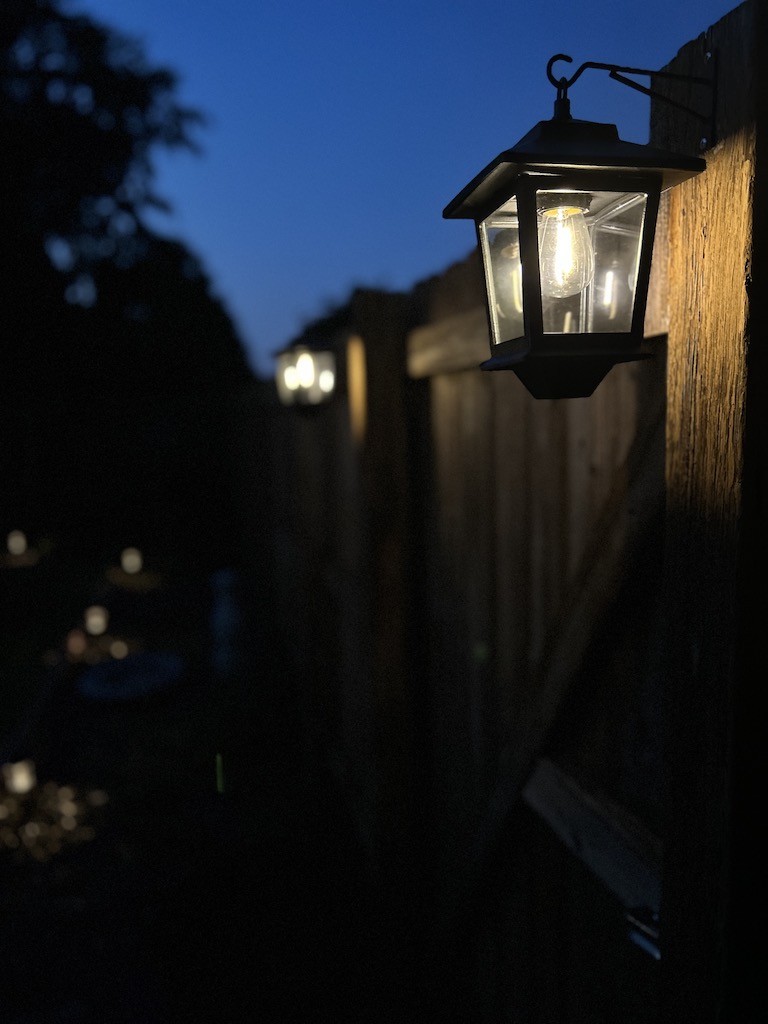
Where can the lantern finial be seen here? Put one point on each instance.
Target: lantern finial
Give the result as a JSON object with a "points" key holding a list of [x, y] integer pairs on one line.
{"points": [[562, 103]]}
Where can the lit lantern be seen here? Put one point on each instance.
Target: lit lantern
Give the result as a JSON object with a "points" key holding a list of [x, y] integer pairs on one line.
{"points": [[305, 376], [565, 225]]}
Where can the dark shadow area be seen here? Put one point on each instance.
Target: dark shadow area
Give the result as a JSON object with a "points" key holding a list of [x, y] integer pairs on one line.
{"points": [[168, 851], [176, 860]]}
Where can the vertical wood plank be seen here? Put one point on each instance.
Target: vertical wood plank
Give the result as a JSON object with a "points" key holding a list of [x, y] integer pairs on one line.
{"points": [[710, 227]]}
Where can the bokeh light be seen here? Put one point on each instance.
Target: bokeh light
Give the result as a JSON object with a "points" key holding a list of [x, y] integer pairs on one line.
{"points": [[38, 820], [96, 619], [131, 560], [16, 542], [118, 649]]}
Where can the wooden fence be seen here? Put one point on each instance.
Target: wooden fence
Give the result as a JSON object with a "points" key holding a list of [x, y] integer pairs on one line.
{"points": [[515, 620]]}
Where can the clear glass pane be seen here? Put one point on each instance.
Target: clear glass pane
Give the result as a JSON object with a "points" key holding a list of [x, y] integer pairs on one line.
{"points": [[589, 247], [500, 246], [617, 234]]}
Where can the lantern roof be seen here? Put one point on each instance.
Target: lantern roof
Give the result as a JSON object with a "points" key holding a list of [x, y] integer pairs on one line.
{"points": [[567, 144]]}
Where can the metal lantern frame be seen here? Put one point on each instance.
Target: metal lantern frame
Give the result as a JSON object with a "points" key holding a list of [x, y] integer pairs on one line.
{"points": [[577, 161]]}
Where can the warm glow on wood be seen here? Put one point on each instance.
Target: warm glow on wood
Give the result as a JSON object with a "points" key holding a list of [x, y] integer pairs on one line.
{"points": [[357, 388]]}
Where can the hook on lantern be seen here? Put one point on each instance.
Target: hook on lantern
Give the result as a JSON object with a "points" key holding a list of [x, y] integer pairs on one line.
{"points": [[619, 73]]}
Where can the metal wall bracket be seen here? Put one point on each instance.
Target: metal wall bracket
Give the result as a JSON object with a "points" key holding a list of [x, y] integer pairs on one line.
{"points": [[619, 73]]}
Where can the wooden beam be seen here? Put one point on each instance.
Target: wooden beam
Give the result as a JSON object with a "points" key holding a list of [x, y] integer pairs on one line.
{"points": [[459, 342], [616, 848]]}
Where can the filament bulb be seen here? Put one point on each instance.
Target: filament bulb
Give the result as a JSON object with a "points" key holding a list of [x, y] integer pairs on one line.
{"points": [[566, 261]]}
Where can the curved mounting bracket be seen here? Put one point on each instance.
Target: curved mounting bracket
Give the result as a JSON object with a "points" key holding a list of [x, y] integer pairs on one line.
{"points": [[619, 74]]}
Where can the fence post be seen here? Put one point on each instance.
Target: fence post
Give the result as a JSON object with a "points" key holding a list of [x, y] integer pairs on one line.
{"points": [[712, 448]]}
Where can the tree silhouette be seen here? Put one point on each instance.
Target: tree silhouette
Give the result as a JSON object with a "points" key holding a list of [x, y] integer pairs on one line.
{"points": [[117, 359], [81, 115]]}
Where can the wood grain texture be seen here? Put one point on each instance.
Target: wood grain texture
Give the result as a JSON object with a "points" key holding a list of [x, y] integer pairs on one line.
{"points": [[709, 256]]}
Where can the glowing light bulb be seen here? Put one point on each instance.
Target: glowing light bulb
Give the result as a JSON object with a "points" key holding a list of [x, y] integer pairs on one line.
{"points": [[326, 381], [291, 378], [566, 261], [305, 370]]}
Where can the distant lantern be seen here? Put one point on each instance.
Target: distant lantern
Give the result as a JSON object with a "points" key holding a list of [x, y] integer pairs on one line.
{"points": [[565, 224], [305, 376]]}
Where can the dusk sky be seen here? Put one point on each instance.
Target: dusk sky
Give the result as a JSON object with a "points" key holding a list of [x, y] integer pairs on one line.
{"points": [[337, 131]]}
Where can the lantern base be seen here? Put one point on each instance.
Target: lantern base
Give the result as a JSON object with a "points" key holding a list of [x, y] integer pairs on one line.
{"points": [[562, 376]]}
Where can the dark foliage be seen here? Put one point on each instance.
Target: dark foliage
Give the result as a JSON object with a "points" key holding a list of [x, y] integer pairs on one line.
{"points": [[117, 361]]}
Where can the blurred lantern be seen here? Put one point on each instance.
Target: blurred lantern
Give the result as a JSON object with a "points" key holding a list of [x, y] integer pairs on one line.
{"points": [[565, 225], [305, 376]]}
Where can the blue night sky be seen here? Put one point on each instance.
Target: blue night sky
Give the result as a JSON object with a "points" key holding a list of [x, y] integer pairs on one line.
{"points": [[337, 131]]}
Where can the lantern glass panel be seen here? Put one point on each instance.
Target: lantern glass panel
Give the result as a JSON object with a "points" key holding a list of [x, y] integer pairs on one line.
{"points": [[589, 252], [500, 247]]}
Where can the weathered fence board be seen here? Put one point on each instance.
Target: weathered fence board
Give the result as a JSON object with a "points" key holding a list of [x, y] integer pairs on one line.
{"points": [[709, 256], [488, 569]]}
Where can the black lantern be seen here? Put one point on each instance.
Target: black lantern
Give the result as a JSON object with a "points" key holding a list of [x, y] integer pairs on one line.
{"points": [[565, 225]]}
